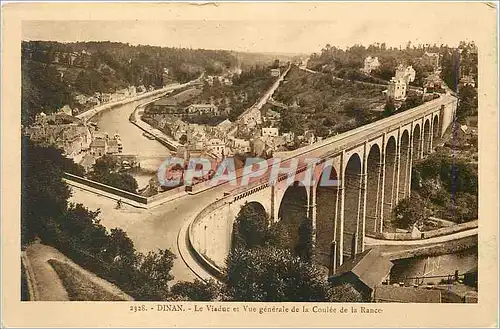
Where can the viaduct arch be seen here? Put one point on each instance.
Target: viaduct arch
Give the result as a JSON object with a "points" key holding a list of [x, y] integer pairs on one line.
{"points": [[372, 165]]}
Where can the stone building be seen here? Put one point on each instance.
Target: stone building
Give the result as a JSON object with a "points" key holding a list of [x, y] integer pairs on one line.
{"points": [[396, 89], [269, 132], [405, 73], [252, 118], [98, 147], [370, 64]]}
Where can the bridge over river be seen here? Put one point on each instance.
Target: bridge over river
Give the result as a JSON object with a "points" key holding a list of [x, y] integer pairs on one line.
{"points": [[371, 163]]}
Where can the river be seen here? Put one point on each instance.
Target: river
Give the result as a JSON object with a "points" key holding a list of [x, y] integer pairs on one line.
{"points": [[150, 152], [462, 261]]}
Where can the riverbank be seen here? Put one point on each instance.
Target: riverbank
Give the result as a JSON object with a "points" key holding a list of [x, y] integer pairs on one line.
{"points": [[87, 115], [161, 137]]}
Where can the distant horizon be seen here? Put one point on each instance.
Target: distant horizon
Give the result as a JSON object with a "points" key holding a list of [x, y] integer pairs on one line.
{"points": [[403, 46], [262, 31], [172, 46]]}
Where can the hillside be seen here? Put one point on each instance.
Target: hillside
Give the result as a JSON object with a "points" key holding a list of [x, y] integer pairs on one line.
{"points": [[326, 105], [53, 73]]}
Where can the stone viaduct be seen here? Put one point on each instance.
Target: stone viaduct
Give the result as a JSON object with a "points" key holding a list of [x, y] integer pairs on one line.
{"points": [[372, 165]]}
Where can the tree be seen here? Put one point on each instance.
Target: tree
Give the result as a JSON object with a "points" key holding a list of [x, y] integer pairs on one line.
{"points": [[120, 246], [321, 130], [278, 236], [304, 247], [289, 122], [465, 207], [386, 69], [410, 211], [450, 62], [412, 100], [271, 274], [389, 107], [154, 274], [42, 90], [467, 102], [44, 195], [104, 171], [357, 111], [250, 227]]}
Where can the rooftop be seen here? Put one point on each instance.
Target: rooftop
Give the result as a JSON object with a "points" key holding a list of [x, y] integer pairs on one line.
{"points": [[370, 267], [98, 143]]}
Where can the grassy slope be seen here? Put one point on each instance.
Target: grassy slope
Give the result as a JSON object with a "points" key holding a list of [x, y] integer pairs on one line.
{"points": [[78, 286]]}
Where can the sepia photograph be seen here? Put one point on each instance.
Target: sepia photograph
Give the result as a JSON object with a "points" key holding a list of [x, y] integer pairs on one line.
{"points": [[226, 160]]}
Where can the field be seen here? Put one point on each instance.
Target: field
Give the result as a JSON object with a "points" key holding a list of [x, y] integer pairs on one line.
{"points": [[179, 98]]}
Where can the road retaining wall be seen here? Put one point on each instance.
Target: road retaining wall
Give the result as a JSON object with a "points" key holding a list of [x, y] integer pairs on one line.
{"points": [[424, 235], [208, 236], [106, 188]]}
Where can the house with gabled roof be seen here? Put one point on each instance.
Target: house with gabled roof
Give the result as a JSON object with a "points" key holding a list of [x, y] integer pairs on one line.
{"points": [[364, 272]]}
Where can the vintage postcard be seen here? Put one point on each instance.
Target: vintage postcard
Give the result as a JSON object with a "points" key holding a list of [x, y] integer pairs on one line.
{"points": [[236, 164]]}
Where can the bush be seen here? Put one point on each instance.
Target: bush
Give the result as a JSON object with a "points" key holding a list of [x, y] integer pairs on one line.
{"points": [[268, 274], [197, 290], [271, 274]]}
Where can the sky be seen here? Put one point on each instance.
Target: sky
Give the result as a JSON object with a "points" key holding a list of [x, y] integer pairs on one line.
{"points": [[273, 27]]}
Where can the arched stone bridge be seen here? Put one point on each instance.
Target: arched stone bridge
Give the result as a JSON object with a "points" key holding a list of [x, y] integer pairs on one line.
{"points": [[373, 167]]}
